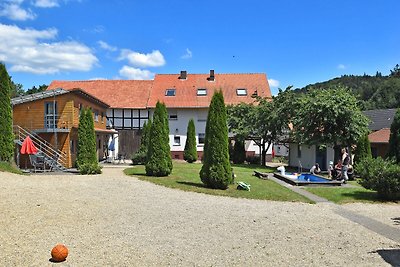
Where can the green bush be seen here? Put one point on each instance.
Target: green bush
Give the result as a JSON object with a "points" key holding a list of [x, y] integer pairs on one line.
{"points": [[253, 159], [239, 152], [89, 168], [159, 162], [380, 175], [190, 153], [139, 158], [216, 171]]}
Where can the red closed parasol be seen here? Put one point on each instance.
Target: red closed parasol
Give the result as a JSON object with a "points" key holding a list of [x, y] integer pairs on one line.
{"points": [[28, 147]]}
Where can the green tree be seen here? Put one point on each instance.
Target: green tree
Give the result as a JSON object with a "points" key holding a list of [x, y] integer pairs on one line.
{"points": [[329, 117], [190, 153], [87, 162], [16, 89], [140, 157], [6, 131], [264, 123], [363, 149], [159, 162], [395, 72], [394, 139], [239, 152], [35, 89], [216, 171]]}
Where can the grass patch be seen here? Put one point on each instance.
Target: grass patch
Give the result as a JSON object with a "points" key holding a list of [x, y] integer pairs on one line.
{"points": [[186, 177], [7, 167], [342, 195]]}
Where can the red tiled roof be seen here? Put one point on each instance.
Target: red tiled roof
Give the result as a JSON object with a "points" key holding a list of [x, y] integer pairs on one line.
{"points": [[116, 93], [186, 90], [381, 136]]}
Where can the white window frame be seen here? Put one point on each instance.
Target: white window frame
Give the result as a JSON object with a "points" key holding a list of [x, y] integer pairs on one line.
{"points": [[241, 91], [203, 137], [177, 137], [201, 91], [167, 92]]}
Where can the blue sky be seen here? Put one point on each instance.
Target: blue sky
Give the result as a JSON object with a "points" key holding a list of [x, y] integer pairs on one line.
{"points": [[293, 42]]}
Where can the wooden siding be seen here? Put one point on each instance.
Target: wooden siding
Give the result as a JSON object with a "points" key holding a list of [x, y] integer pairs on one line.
{"points": [[31, 116]]}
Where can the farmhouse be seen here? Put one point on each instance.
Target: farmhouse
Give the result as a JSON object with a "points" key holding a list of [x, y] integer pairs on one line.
{"points": [[132, 102]]}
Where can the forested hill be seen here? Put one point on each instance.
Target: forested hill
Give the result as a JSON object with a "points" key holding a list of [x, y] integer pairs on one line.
{"points": [[374, 92]]}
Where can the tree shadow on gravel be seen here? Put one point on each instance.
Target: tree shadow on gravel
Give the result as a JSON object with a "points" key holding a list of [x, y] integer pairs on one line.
{"points": [[200, 185], [391, 256]]}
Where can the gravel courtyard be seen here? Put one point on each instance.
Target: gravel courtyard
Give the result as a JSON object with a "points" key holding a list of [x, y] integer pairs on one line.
{"points": [[115, 220]]}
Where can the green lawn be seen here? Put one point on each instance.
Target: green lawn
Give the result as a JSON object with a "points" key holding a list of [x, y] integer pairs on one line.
{"points": [[7, 167], [341, 195], [185, 176]]}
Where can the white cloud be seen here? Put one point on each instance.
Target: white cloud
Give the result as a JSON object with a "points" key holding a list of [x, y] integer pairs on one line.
{"points": [[24, 51], [46, 3], [97, 78], [135, 74], [106, 46], [341, 67], [153, 59], [187, 55], [12, 9], [273, 82]]}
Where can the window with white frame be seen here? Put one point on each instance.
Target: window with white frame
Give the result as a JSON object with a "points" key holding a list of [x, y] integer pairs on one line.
{"points": [[241, 91], [96, 115], [202, 137], [201, 92], [177, 140], [170, 92], [172, 115]]}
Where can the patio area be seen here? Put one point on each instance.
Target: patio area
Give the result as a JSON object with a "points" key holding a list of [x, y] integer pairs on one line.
{"points": [[114, 219]]}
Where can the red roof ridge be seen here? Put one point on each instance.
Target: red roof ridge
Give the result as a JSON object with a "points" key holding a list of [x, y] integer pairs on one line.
{"points": [[243, 73]]}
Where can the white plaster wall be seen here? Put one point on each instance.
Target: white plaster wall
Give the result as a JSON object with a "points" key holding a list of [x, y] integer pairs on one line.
{"points": [[281, 150], [308, 156], [178, 127]]}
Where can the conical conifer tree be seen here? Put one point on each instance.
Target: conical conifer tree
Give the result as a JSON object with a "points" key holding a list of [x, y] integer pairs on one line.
{"points": [[394, 139], [190, 153], [363, 149], [216, 171], [159, 162], [87, 162], [6, 132]]}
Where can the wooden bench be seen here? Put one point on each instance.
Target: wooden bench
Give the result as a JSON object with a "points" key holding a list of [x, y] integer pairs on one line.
{"points": [[261, 175]]}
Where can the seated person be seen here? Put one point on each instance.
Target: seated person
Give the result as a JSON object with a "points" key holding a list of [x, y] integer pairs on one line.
{"points": [[315, 169], [338, 170]]}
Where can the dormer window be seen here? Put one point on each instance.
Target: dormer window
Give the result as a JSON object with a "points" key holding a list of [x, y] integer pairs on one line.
{"points": [[201, 92], [170, 92], [241, 92]]}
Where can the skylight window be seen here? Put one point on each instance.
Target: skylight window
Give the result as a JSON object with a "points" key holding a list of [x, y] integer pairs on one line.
{"points": [[170, 92], [201, 92], [241, 91]]}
